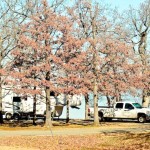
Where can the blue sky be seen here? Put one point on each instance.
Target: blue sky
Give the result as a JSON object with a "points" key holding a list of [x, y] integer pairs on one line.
{"points": [[123, 4], [120, 4]]}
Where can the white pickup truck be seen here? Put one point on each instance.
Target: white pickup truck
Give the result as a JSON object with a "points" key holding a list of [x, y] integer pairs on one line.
{"points": [[122, 110]]}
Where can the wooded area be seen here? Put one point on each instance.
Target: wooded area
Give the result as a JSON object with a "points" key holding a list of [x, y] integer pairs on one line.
{"points": [[86, 47]]}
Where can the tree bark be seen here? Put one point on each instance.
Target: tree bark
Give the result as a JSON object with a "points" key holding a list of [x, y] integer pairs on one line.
{"points": [[34, 108], [67, 109], [142, 48], [1, 113], [108, 100], [146, 98], [95, 92], [95, 70], [48, 121], [86, 106]]}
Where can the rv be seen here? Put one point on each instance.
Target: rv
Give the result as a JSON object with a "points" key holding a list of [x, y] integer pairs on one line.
{"points": [[21, 107]]}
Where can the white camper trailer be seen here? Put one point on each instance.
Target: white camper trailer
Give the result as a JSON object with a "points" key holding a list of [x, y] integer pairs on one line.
{"points": [[19, 107]]}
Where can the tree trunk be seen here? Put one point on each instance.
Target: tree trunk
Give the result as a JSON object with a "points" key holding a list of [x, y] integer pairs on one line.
{"points": [[34, 108], [86, 106], [118, 97], [67, 109], [108, 100], [95, 70], [48, 121], [142, 51], [146, 99], [1, 113], [96, 117]]}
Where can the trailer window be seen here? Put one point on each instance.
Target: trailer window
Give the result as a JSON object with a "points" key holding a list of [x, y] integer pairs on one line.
{"points": [[119, 105]]}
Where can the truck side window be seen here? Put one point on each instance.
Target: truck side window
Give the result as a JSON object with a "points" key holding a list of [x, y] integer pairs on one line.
{"points": [[128, 106], [119, 105]]}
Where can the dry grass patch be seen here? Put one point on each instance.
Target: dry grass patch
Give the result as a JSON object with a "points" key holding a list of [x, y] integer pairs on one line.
{"points": [[114, 141]]}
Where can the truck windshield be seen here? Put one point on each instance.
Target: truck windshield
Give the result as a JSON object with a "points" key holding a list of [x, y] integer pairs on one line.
{"points": [[137, 105]]}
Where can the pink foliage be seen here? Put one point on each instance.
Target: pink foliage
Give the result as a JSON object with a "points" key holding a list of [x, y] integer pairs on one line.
{"points": [[49, 44]]}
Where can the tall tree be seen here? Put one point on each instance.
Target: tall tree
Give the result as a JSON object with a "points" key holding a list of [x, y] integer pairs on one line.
{"points": [[13, 14], [71, 53], [47, 39], [109, 59], [88, 17], [140, 27]]}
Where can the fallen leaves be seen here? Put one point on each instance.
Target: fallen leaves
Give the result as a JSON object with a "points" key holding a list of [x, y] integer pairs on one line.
{"points": [[100, 141]]}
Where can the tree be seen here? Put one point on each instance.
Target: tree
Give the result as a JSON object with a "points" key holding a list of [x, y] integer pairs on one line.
{"points": [[88, 17], [140, 27], [46, 47], [13, 14], [70, 81], [109, 61]]}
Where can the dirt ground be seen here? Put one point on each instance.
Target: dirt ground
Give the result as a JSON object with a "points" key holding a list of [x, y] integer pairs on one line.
{"points": [[121, 137]]}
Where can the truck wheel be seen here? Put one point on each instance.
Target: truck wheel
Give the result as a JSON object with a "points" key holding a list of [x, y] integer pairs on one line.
{"points": [[8, 116], [141, 119], [16, 116]]}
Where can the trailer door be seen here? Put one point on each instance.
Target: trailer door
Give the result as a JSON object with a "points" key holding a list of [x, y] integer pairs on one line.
{"points": [[16, 104]]}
